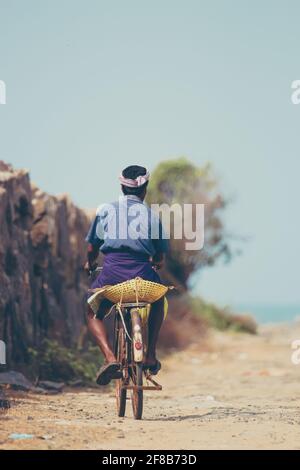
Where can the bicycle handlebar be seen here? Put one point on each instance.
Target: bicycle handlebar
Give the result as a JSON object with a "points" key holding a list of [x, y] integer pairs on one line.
{"points": [[91, 272]]}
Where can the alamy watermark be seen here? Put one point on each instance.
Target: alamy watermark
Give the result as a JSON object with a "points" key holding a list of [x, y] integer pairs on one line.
{"points": [[123, 221], [295, 357], [2, 353], [2, 92], [295, 96]]}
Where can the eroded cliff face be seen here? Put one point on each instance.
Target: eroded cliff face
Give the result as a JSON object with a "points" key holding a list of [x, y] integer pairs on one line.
{"points": [[42, 251]]}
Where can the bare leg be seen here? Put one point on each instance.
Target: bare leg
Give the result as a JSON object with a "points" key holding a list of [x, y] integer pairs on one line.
{"points": [[98, 330], [154, 324]]}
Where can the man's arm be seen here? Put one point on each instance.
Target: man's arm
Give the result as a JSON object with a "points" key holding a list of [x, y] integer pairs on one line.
{"points": [[160, 244], [94, 243], [92, 255], [158, 260]]}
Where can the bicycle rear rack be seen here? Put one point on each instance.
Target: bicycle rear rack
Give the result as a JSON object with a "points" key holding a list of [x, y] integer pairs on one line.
{"points": [[155, 386]]}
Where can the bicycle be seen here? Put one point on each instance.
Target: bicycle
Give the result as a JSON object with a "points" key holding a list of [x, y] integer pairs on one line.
{"points": [[130, 338]]}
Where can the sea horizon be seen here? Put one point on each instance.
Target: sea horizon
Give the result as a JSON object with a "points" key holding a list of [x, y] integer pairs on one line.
{"points": [[265, 312]]}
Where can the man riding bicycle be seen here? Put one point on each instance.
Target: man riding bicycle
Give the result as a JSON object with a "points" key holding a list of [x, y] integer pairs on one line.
{"points": [[128, 254]]}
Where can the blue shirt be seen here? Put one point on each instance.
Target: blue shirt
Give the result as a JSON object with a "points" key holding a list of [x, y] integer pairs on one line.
{"points": [[128, 224]]}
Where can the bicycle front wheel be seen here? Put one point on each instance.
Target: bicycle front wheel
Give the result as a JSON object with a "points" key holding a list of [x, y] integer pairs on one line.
{"points": [[137, 363], [137, 395], [120, 352]]}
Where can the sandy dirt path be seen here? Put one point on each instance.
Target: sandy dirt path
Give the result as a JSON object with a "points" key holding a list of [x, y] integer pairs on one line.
{"points": [[241, 393]]}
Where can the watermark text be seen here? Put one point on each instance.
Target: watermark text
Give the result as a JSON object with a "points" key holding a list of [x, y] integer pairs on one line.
{"points": [[295, 357], [123, 221], [2, 353], [2, 92]]}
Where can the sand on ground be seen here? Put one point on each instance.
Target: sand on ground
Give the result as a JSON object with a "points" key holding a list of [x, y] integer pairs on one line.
{"points": [[235, 392]]}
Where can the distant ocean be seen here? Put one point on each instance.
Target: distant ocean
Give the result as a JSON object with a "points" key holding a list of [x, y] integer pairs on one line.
{"points": [[268, 313]]}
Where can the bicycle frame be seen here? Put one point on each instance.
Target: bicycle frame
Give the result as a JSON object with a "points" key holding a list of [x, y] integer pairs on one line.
{"points": [[137, 340], [130, 348]]}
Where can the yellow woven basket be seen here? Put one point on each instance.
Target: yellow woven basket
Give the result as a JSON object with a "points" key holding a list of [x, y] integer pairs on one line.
{"points": [[135, 290]]}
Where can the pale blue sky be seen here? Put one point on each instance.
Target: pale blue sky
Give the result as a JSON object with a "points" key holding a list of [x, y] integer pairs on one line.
{"points": [[93, 86]]}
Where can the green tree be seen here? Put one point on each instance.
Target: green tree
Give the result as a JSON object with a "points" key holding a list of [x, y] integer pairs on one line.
{"points": [[180, 181]]}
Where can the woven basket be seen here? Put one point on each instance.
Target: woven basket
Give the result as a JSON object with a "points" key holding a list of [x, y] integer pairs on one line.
{"points": [[135, 290]]}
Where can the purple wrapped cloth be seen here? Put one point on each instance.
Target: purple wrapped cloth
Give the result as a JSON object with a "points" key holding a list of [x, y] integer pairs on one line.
{"points": [[123, 266]]}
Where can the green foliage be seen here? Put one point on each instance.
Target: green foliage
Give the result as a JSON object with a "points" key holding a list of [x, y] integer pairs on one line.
{"points": [[174, 181], [179, 181], [55, 362], [222, 319]]}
